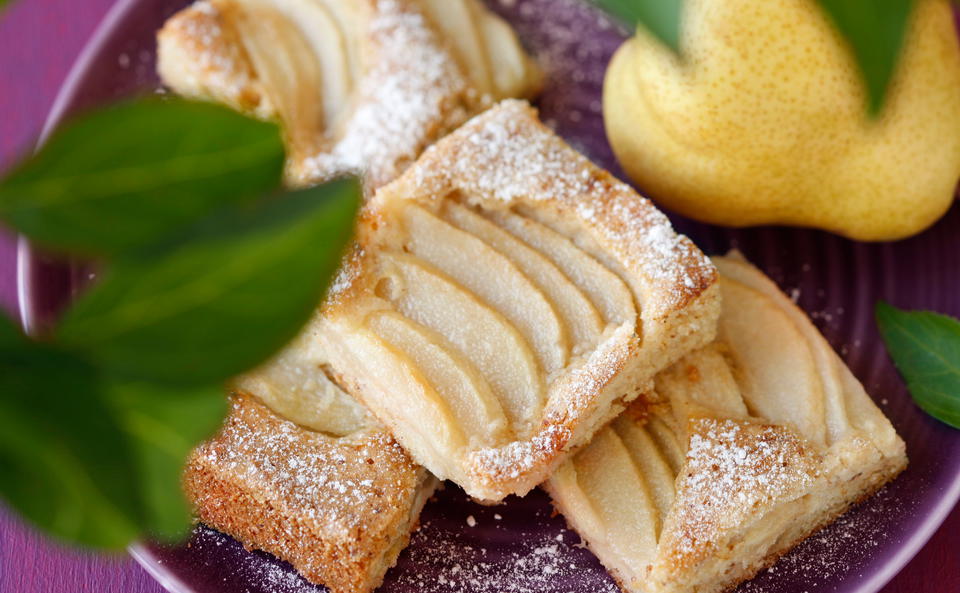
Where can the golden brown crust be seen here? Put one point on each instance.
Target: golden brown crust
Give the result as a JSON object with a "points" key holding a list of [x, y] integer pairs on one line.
{"points": [[201, 57], [338, 509], [703, 552], [521, 465]]}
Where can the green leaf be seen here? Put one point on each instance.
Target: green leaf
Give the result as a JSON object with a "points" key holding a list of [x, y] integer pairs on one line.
{"points": [[875, 30], [222, 297], [660, 17], [163, 426], [926, 349], [93, 461], [126, 175], [64, 462]]}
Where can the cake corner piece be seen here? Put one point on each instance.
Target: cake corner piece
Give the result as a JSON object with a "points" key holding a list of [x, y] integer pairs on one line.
{"points": [[339, 509]]}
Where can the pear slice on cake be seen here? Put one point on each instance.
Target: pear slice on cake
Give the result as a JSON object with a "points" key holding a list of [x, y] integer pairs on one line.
{"points": [[602, 285], [583, 320], [470, 398], [480, 333], [493, 278]]}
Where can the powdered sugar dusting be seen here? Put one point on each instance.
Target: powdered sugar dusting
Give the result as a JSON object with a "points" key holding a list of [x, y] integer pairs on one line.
{"points": [[282, 580], [520, 457], [412, 92], [465, 568], [261, 570], [734, 468], [520, 547], [527, 550]]}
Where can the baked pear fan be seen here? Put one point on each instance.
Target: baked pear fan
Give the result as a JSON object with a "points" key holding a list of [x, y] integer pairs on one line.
{"points": [[359, 85], [743, 449], [506, 299], [300, 470]]}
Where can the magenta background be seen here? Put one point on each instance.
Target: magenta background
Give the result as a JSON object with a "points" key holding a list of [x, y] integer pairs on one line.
{"points": [[39, 39]]}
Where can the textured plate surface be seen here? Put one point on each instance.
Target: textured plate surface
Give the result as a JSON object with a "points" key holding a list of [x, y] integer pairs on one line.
{"points": [[519, 546]]}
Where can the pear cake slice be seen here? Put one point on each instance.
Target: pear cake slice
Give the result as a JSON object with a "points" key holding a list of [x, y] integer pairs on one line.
{"points": [[300, 470], [360, 86], [742, 450], [506, 299]]}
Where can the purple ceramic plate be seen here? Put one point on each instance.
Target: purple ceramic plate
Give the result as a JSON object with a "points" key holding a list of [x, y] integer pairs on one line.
{"points": [[521, 546]]}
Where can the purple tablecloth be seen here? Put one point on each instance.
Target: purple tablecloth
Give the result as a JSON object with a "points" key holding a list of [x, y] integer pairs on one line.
{"points": [[39, 40]]}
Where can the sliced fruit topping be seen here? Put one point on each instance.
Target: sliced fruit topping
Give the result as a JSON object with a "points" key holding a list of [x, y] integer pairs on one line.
{"points": [[567, 494], [667, 442], [581, 317], [298, 389], [774, 366], [328, 43], [651, 461], [289, 70], [422, 420], [607, 291], [508, 61], [482, 335], [349, 21], [631, 521], [828, 363], [493, 278], [701, 383], [457, 20], [470, 399]]}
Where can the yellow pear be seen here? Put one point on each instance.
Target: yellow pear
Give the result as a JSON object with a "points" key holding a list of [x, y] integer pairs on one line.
{"points": [[763, 120]]}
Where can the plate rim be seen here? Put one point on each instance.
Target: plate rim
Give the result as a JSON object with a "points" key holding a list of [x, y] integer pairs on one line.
{"points": [[140, 552], [58, 112]]}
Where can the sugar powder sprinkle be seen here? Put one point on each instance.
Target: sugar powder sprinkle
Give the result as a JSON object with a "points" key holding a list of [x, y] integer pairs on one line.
{"points": [[524, 549]]}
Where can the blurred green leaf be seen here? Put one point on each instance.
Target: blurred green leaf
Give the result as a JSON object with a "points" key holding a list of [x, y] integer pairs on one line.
{"points": [[163, 426], [123, 176], [92, 461], [221, 297], [875, 30], [64, 462], [926, 349], [660, 17]]}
